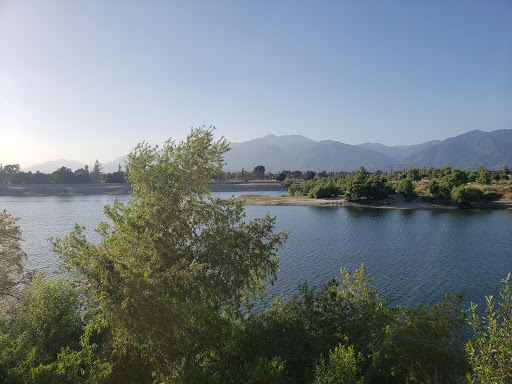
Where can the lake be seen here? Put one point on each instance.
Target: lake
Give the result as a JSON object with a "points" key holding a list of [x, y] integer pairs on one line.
{"points": [[414, 256]]}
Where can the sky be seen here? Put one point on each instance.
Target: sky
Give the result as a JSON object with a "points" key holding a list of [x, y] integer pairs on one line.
{"points": [[86, 80]]}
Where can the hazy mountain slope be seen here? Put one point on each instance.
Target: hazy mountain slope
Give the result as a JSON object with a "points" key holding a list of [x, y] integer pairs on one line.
{"points": [[112, 166], [399, 151], [51, 166], [467, 151], [295, 152]]}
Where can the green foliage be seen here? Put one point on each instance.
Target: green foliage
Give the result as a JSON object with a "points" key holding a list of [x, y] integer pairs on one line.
{"points": [[325, 189], [116, 177], [262, 371], [433, 188], [424, 346], [281, 176], [483, 176], [175, 265], [314, 321], [462, 194], [309, 175], [288, 182], [11, 257], [490, 350], [367, 186], [414, 174], [45, 324], [96, 172], [406, 188], [366, 338], [340, 368], [454, 179], [63, 175]]}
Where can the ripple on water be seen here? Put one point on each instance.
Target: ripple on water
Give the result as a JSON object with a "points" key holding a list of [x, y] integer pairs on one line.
{"points": [[414, 256]]}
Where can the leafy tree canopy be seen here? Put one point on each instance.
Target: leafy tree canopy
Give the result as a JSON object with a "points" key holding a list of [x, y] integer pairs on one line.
{"points": [[11, 256], [175, 264]]}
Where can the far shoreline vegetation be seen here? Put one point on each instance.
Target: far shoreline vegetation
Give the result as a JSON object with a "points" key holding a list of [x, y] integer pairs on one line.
{"points": [[166, 297], [412, 188]]}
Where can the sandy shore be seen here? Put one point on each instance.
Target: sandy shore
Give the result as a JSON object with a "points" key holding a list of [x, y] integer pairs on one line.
{"points": [[392, 202]]}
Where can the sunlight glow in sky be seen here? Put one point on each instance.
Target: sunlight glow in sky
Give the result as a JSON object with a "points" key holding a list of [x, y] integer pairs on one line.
{"points": [[82, 80]]}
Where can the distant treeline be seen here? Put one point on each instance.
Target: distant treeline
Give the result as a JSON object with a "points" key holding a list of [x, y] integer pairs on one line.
{"points": [[259, 173], [11, 174], [446, 185]]}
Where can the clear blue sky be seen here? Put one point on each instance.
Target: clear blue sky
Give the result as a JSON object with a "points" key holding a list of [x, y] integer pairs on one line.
{"points": [[82, 80]]}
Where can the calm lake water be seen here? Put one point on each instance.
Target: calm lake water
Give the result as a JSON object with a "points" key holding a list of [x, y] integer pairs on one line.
{"points": [[414, 256]]}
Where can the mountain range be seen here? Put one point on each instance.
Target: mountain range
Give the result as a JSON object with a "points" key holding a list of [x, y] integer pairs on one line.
{"points": [[466, 151], [293, 152], [50, 166]]}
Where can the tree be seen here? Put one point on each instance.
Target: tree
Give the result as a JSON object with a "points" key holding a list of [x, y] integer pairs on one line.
{"points": [[365, 185], [82, 175], [281, 176], [63, 175], [324, 189], [309, 175], [259, 172], [174, 266], [405, 188], [9, 172], [96, 171], [414, 174], [41, 178], [11, 257], [483, 176], [116, 177]]}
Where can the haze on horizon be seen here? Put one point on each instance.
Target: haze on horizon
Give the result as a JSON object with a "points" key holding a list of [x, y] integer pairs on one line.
{"points": [[90, 80]]}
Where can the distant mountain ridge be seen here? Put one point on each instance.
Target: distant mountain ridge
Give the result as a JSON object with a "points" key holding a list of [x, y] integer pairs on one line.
{"points": [[294, 152], [399, 151], [297, 152], [51, 166], [467, 151]]}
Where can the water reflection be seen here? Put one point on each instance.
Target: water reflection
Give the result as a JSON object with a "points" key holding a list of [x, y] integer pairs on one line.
{"points": [[415, 256], [356, 212]]}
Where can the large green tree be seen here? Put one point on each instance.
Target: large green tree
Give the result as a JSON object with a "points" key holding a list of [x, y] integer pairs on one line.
{"points": [[173, 267]]}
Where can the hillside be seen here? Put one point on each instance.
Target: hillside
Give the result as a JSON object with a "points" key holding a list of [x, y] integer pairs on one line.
{"points": [[467, 151], [297, 152]]}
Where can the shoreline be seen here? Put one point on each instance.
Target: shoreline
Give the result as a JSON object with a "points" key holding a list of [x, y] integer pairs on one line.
{"points": [[118, 189], [392, 202]]}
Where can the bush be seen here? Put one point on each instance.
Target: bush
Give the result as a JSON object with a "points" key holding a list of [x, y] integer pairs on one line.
{"points": [[341, 367], [324, 190], [46, 322], [490, 350]]}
